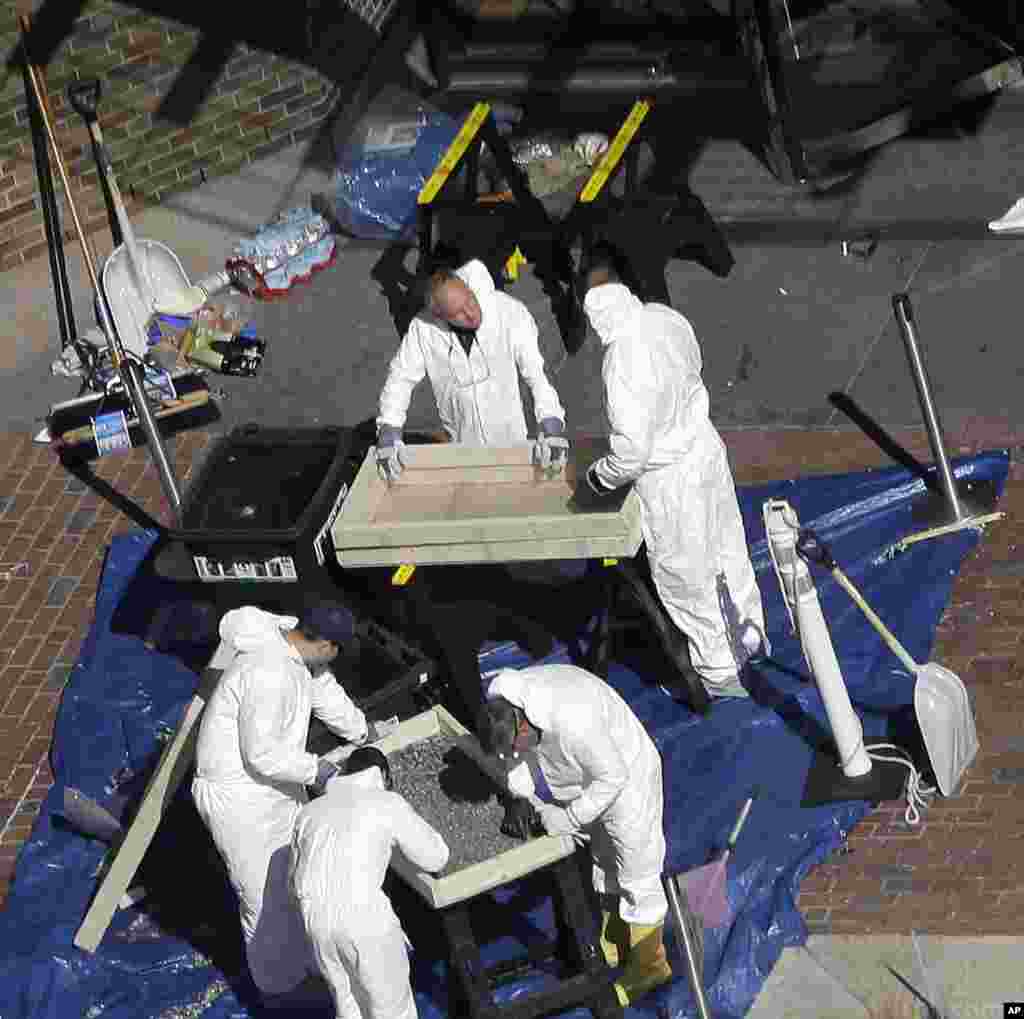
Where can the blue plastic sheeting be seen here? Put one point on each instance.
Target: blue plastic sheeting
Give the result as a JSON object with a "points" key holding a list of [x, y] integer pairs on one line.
{"points": [[123, 700]]}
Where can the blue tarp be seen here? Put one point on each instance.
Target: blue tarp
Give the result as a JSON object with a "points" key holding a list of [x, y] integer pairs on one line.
{"points": [[178, 953]]}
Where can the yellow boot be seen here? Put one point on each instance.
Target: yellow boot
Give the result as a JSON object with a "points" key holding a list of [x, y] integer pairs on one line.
{"points": [[614, 936], [646, 964]]}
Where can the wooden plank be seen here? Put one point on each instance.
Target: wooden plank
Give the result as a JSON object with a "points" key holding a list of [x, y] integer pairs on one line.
{"points": [[440, 455], [366, 492], [496, 530], [467, 495], [498, 475], [475, 514], [170, 771], [623, 546]]}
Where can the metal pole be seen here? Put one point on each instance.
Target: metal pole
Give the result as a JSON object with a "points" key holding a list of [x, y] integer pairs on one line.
{"points": [[51, 220], [905, 318], [689, 949], [132, 373]]}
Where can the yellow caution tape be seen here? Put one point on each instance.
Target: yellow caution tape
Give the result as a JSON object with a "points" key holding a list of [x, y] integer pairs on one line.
{"points": [[455, 152], [401, 576], [609, 562], [613, 153], [515, 261]]}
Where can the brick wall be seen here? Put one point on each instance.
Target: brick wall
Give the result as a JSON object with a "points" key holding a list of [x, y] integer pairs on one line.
{"points": [[259, 104]]}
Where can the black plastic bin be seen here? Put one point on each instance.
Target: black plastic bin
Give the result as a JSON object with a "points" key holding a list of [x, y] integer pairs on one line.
{"points": [[261, 508]]}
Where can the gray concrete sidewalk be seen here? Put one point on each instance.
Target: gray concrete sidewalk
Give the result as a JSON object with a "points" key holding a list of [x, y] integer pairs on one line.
{"points": [[880, 978]]}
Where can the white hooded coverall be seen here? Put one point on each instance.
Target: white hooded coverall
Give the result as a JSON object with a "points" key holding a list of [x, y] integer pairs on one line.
{"points": [[600, 763], [663, 440], [341, 850], [251, 771], [477, 396]]}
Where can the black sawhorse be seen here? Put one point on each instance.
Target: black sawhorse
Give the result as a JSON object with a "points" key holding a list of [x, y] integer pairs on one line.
{"points": [[650, 229], [471, 984]]}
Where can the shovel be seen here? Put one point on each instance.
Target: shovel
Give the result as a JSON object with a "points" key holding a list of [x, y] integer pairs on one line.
{"points": [[941, 704], [140, 277]]}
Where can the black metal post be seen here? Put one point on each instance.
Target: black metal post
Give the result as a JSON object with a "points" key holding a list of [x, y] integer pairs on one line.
{"points": [[51, 218]]}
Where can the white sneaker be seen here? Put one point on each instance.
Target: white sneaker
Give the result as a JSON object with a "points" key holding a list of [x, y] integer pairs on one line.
{"points": [[1011, 220]]}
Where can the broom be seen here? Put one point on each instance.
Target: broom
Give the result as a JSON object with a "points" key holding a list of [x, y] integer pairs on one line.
{"points": [[705, 886]]}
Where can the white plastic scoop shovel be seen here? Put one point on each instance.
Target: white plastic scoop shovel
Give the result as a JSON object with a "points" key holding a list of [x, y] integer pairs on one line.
{"points": [[941, 703]]}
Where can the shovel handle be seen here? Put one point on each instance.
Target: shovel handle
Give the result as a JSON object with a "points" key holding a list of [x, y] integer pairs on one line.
{"points": [[883, 631], [740, 821], [811, 548]]}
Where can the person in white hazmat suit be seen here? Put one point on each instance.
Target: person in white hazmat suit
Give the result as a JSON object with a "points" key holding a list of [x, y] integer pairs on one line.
{"points": [[340, 852], [473, 342], [591, 770], [252, 768], [663, 441]]}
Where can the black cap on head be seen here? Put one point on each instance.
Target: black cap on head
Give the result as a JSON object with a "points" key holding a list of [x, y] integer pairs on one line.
{"points": [[328, 620], [607, 258], [497, 726], [368, 757]]}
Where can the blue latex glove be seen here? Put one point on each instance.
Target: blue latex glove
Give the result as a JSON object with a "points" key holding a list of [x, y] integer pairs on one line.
{"points": [[551, 448], [325, 771], [389, 452]]}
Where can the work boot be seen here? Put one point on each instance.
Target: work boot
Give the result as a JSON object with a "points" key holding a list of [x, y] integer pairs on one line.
{"points": [[646, 963], [614, 937]]}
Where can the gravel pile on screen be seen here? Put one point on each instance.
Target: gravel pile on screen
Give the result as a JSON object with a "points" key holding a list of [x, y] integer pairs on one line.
{"points": [[447, 789]]}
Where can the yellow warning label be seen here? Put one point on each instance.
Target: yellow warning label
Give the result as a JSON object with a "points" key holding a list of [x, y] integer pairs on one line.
{"points": [[515, 261], [611, 158], [609, 562], [455, 152], [401, 576]]}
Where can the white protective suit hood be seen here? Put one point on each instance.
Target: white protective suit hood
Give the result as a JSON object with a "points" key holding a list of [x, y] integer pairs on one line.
{"points": [[509, 684], [611, 308], [601, 765], [249, 629], [476, 393], [251, 769], [342, 845], [477, 277], [663, 441]]}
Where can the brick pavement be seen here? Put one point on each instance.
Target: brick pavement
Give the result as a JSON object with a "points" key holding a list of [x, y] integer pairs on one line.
{"points": [[960, 872]]}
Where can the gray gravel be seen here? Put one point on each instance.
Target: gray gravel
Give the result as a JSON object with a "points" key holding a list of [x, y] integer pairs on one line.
{"points": [[447, 789]]}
